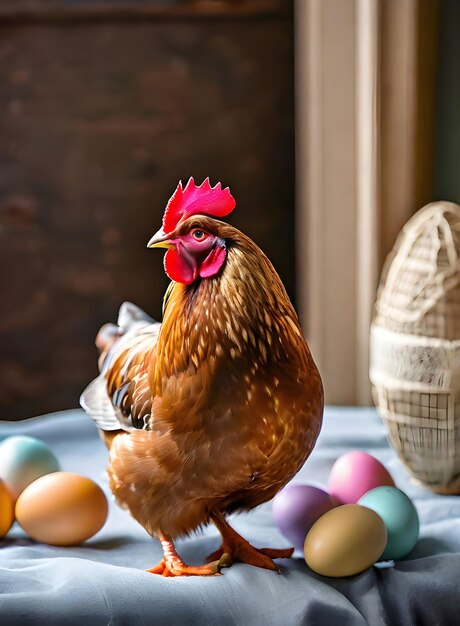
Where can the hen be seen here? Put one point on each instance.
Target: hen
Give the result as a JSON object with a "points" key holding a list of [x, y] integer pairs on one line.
{"points": [[216, 409]]}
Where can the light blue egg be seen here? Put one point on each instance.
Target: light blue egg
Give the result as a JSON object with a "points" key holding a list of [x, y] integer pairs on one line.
{"points": [[24, 459], [400, 517]]}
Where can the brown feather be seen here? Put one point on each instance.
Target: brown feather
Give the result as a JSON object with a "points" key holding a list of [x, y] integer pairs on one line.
{"points": [[234, 397]]}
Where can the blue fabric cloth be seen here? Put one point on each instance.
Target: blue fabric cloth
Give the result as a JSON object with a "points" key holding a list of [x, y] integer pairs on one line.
{"points": [[103, 582]]}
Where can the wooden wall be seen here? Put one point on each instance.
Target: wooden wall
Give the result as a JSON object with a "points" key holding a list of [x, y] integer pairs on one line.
{"points": [[103, 107]]}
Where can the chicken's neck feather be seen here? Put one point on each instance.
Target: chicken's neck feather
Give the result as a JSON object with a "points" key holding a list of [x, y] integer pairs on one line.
{"points": [[243, 315]]}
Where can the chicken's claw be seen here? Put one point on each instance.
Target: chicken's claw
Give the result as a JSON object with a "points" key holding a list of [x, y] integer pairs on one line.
{"points": [[235, 548], [244, 552], [157, 569], [224, 559], [179, 568], [277, 553]]}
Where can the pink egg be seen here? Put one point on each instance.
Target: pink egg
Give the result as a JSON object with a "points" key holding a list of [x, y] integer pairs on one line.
{"points": [[356, 473]]}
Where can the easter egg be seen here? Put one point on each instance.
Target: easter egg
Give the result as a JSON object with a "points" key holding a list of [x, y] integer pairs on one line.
{"points": [[356, 473], [399, 516], [62, 509], [6, 509], [23, 459], [345, 541], [297, 507]]}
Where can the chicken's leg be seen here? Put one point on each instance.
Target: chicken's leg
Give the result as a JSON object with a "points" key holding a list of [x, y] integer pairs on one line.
{"points": [[236, 548], [173, 565]]}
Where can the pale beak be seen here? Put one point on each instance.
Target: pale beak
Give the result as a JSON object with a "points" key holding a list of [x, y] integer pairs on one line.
{"points": [[160, 240]]}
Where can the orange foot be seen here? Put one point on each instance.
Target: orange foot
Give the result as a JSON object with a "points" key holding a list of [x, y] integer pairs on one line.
{"points": [[235, 548], [179, 568], [244, 552], [173, 565]]}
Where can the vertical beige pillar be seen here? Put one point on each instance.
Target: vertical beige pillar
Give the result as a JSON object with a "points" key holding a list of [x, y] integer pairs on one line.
{"points": [[367, 184], [326, 188], [364, 86]]}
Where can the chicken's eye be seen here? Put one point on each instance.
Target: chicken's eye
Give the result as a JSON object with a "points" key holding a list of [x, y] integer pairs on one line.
{"points": [[199, 235]]}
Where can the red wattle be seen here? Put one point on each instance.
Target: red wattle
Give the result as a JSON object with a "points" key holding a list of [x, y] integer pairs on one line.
{"points": [[182, 271], [178, 269], [213, 262]]}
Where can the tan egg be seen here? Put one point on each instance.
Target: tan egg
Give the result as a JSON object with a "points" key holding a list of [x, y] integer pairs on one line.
{"points": [[6, 509], [62, 509], [345, 541]]}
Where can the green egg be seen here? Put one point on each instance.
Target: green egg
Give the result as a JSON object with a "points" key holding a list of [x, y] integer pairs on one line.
{"points": [[399, 516], [23, 459]]}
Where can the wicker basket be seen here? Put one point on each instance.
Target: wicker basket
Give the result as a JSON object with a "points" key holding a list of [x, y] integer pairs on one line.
{"points": [[415, 346]]}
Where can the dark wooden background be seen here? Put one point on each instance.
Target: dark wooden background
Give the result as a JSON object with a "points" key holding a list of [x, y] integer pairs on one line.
{"points": [[103, 107]]}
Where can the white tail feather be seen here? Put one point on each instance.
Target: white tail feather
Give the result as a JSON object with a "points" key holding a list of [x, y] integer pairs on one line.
{"points": [[130, 313], [96, 402]]}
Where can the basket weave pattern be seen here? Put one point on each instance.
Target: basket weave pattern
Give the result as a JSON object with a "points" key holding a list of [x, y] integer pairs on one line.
{"points": [[415, 346]]}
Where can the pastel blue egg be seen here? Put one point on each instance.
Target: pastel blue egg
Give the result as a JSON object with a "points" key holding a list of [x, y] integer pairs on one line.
{"points": [[399, 516], [24, 459]]}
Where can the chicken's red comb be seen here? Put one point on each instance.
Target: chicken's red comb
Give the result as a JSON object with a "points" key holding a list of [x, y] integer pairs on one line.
{"points": [[190, 200]]}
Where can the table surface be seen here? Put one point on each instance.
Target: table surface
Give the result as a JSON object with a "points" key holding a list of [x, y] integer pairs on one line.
{"points": [[103, 580]]}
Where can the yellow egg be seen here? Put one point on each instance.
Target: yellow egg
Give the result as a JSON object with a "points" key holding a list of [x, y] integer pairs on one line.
{"points": [[345, 541], [62, 509], [6, 509]]}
